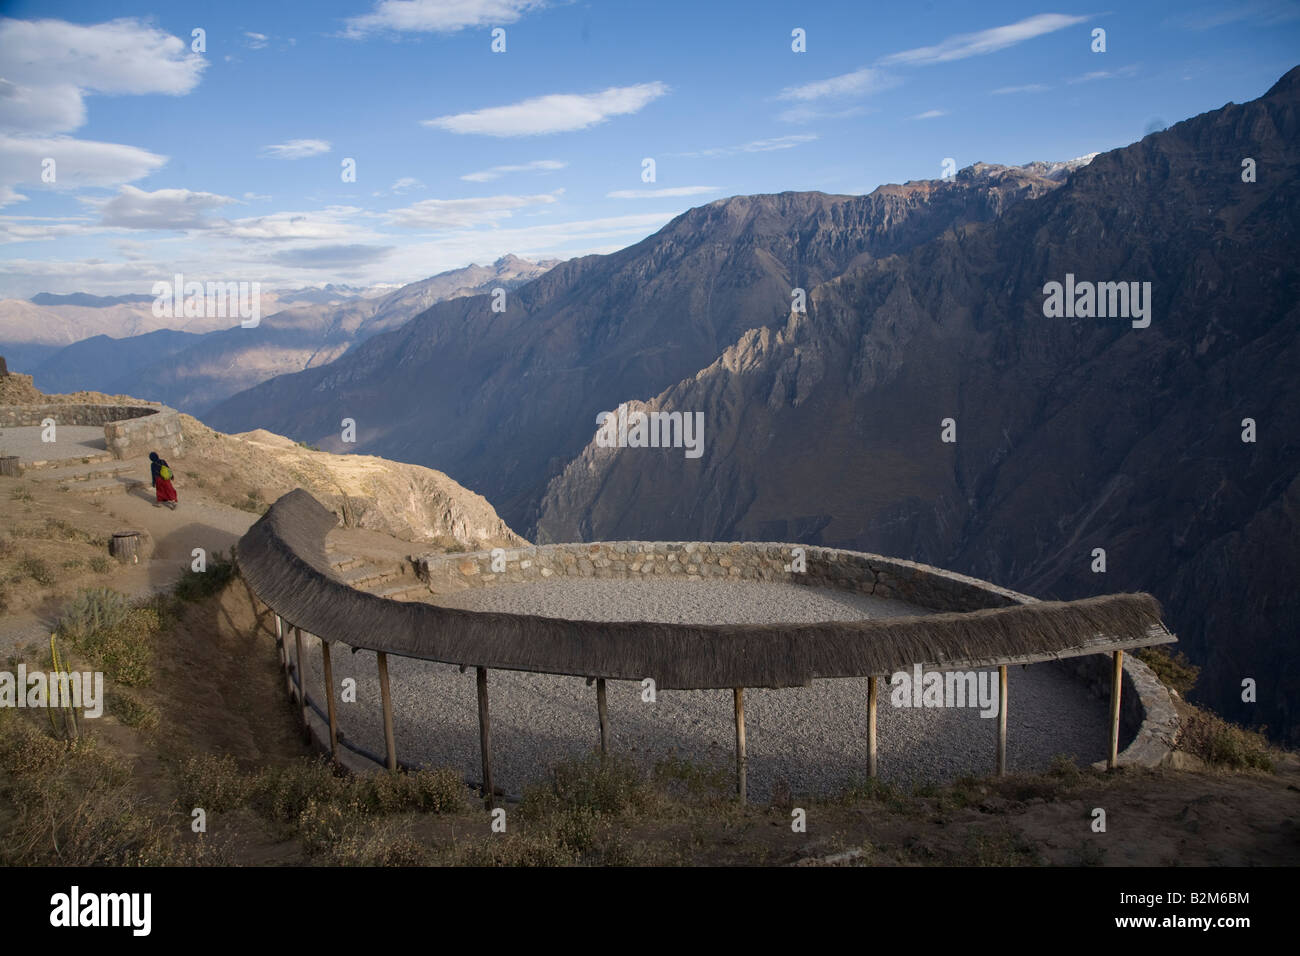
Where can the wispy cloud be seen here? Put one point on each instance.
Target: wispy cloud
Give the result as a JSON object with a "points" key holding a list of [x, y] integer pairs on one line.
{"points": [[1266, 12], [406, 184], [804, 115], [1103, 75], [930, 114], [255, 41], [661, 193], [858, 83], [462, 213], [437, 16], [496, 172], [555, 113], [1026, 88], [964, 45], [753, 146], [297, 149]]}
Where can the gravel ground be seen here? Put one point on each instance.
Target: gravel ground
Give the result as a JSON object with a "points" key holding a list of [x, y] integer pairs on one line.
{"points": [[811, 739], [72, 442]]}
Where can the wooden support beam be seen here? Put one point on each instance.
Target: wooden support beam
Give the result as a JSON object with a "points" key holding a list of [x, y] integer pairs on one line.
{"points": [[329, 698], [386, 700], [739, 693], [871, 726], [485, 736], [302, 685], [1116, 685], [603, 712], [280, 649], [1002, 721]]}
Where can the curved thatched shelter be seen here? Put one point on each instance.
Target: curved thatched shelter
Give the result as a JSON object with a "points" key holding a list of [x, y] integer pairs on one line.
{"points": [[283, 559]]}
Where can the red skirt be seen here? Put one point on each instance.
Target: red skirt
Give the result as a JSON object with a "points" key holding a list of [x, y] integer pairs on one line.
{"points": [[165, 489]]}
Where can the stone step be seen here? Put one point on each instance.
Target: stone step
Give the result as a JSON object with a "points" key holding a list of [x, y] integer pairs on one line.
{"points": [[344, 562], [87, 472], [368, 576], [103, 486], [43, 464], [404, 592]]}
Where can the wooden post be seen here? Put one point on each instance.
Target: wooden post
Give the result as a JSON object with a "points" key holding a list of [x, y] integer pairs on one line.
{"points": [[11, 466], [329, 697], [871, 726], [1002, 721], [740, 742], [1116, 684], [485, 736], [386, 699], [603, 712], [302, 685], [279, 641]]}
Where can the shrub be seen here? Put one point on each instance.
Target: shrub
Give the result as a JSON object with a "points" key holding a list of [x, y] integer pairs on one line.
{"points": [[37, 570], [1222, 744], [214, 783], [102, 623], [1173, 669], [99, 564], [612, 787], [197, 585], [426, 791], [91, 609]]}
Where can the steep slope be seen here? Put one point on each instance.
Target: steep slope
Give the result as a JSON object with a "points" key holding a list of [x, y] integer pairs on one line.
{"points": [[502, 400], [1072, 433]]}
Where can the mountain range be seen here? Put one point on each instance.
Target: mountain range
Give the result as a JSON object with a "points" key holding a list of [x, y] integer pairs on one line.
{"points": [[192, 370], [922, 318]]}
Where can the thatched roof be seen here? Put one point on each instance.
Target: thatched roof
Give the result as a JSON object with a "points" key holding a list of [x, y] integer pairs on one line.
{"points": [[282, 557]]}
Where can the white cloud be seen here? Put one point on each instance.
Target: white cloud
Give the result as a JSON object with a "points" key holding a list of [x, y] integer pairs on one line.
{"points": [[931, 114], [406, 184], [333, 222], [297, 149], [808, 114], [660, 193], [555, 113], [437, 16], [461, 213], [51, 65], [754, 146], [496, 172], [985, 41], [77, 163], [135, 208], [858, 83], [255, 41], [1103, 75], [1027, 88], [256, 197]]}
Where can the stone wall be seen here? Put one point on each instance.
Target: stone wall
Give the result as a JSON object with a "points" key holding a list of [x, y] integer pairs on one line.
{"points": [[130, 431], [918, 584], [1148, 722]]}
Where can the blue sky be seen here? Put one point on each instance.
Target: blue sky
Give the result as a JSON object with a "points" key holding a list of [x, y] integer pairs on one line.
{"points": [[226, 164]]}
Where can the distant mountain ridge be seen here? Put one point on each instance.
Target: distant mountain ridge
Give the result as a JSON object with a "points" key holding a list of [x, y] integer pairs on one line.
{"points": [[193, 371]]}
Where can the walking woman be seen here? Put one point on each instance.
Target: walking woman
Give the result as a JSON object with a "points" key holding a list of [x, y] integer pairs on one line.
{"points": [[161, 474]]}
